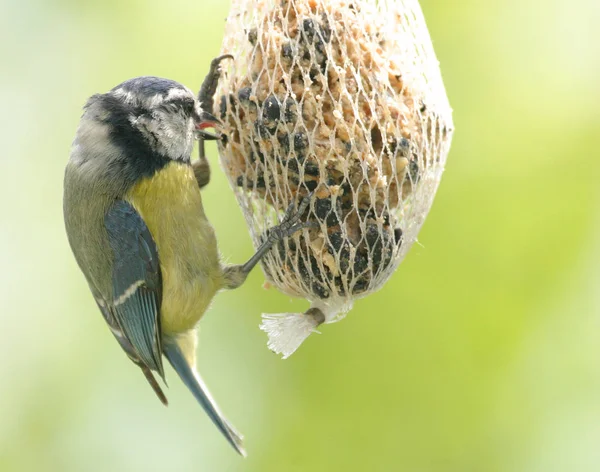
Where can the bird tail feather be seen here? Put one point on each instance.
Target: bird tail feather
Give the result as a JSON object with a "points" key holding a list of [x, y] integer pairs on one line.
{"points": [[196, 385]]}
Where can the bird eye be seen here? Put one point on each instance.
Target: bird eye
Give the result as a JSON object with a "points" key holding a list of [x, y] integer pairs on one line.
{"points": [[188, 106]]}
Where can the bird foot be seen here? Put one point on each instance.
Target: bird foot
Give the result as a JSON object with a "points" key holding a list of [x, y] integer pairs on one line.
{"points": [[291, 223]]}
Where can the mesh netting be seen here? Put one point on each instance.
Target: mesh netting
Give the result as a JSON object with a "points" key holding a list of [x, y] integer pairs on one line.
{"points": [[342, 99]]}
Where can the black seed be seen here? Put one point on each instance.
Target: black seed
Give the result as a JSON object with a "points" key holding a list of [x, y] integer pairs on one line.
{"points": [[292, 165], [312, 169], [261, 129], [413, 171], [361, 262], [404, 143], [244, 94], [303, 270], [333, 219], [254, 155], [289, 113], [372, 235], [325, 29], [314, 265], [284, 142], [336, 240], [379, 245], [252, 36], [311, 185], [320, 46], [322, 207], [360, 285], [376, 255], [287, 51], [398, 236], [293, 178], [320, 290], [308, 28], [340, 286], [344, 258], [300, 141], [259, 182], [347, 204], [223, 107], [271, 108], [386, 218], [400, 146], [387, 251]]}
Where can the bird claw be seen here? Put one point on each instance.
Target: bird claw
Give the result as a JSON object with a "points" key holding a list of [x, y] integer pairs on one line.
{"points": [[291, 223], [209, 85]]}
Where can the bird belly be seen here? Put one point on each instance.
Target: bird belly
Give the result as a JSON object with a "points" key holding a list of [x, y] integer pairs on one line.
{"points": [[171, 206]]}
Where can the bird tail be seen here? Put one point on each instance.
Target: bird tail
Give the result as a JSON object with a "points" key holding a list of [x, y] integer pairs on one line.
{"points": [[196, 385]]}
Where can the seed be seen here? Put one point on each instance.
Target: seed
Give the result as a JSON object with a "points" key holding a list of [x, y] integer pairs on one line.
{"points": [[308, 28], [223, 107], [336, 240], [261, 129], [398, 236], [271, 108], [244, 94], [413, 170], [311, 185], [289, 110], [287, 51], [312, 169], [360, 285], [252, 36], [320, 290], [360, 264], [323, 207], [300, 141], [284, 142]]}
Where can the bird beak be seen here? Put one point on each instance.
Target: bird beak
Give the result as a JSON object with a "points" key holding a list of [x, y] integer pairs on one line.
{"points": [[207, 120]]}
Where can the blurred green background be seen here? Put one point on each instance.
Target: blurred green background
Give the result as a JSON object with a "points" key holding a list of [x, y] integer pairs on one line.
{"points": [[481, 354]]}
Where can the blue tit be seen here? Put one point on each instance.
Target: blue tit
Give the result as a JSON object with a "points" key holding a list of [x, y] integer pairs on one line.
{"points": [[135, 222]]}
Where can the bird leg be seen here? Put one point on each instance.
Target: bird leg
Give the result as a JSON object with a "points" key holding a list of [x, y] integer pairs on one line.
{"points": [[235, 275]]}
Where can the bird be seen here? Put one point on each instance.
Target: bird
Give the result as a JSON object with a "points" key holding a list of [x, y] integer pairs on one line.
{"points": [[136, 225]]}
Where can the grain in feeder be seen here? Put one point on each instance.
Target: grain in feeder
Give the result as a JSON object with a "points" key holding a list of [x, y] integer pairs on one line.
{"points": [[343, 102]]}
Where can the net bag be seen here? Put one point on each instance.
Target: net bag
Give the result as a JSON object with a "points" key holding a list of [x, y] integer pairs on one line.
{"points": [[342, 102]]}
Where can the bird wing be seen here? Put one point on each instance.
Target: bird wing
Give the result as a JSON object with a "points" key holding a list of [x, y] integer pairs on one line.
{"points": [[137, 284], [128, 348]]}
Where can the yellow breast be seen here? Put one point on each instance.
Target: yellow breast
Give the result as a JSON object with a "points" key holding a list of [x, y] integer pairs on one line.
{"points": [[171, 205]]}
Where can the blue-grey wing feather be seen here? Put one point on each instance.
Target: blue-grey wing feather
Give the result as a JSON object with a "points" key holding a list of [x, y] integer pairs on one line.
{"points": [[128, 348], [136, 282]]}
